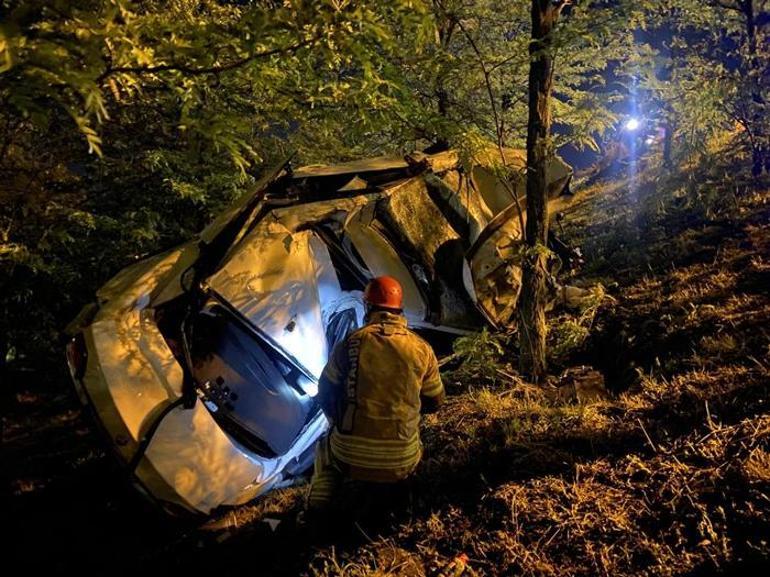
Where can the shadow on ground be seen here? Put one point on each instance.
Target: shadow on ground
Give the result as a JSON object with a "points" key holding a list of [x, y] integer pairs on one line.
{"points": [[670, 473]]}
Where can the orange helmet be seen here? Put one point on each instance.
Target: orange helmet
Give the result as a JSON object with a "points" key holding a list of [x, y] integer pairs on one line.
{"points": [[385, 292]]}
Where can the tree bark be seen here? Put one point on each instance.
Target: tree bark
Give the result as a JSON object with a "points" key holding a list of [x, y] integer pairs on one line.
{"points": [[669, 117], [669, 125], [759, 150], [532, 325], [6, 391], [445, 26]]}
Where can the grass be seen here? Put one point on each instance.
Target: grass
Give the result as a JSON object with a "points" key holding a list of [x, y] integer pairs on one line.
{"points": [[669, 474]]}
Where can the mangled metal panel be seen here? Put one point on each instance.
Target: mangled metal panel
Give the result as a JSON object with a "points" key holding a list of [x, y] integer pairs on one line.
{"points": [[172, 285], [273, 281], [382, 258], [280, 277], [496, 272], [240, 205], [424, 225], [192, 462], [120, 346], [495, 257], [410, 214], [122, 290], [496, 194], [132, 377], [367, 165], [461, 204]]}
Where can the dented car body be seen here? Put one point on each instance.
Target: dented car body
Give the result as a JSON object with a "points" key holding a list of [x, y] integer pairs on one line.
{"points": [[201, 364]]}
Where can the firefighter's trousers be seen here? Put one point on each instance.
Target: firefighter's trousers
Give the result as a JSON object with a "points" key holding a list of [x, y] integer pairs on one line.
{"points": [[331, 489]]}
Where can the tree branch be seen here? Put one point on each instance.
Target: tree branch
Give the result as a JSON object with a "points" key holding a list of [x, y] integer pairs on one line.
{"points": [[197, 71], [498, 123], [561, 5], [726, 5]]}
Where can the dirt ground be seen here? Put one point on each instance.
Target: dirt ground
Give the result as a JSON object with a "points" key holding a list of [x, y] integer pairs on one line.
{"points": [[667, 475]]}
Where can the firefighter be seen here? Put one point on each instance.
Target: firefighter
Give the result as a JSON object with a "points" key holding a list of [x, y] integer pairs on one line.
{"points": [[373, 389]]}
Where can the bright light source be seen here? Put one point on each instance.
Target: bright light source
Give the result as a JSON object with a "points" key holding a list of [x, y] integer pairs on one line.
{"points": [[632, 124]]}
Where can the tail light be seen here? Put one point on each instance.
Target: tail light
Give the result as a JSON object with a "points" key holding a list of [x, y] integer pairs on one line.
{"points": [[77, 356]]}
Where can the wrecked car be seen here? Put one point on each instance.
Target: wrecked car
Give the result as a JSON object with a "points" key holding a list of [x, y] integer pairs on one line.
{"points": [[200, 365]]}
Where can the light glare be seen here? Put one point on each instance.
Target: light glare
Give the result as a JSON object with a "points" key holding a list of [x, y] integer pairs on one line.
{"points": [[632, 124]]}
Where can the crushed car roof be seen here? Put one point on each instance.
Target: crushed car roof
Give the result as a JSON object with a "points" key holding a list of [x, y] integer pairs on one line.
{"points": [[271, 285]]}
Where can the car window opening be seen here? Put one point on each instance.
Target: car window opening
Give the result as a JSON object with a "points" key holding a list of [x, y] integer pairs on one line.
{"points": [[257, 396], [352, 272]]}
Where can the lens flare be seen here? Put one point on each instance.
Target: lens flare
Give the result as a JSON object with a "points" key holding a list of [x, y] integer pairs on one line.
{"points": [[632, 124]]}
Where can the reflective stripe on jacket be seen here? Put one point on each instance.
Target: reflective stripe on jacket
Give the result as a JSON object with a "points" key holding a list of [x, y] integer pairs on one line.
{"points": [[371, 391]]}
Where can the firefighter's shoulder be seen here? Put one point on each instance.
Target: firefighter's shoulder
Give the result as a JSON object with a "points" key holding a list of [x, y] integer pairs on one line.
{"points": [[360, 331], [420, 341]]}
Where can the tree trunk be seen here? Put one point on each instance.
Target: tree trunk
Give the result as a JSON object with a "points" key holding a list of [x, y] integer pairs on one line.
{"points": [[759, 147], [445, 26], [6, 391], [532, 325], [668, 136]]}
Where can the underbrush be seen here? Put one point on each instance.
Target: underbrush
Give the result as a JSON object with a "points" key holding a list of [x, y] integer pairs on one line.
{"points": [[667, 475], [665, 472], [613, 488], [483, 357]]}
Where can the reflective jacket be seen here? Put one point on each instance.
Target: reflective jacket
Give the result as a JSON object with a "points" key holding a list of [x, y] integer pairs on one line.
{"points": [[372, 390]]}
